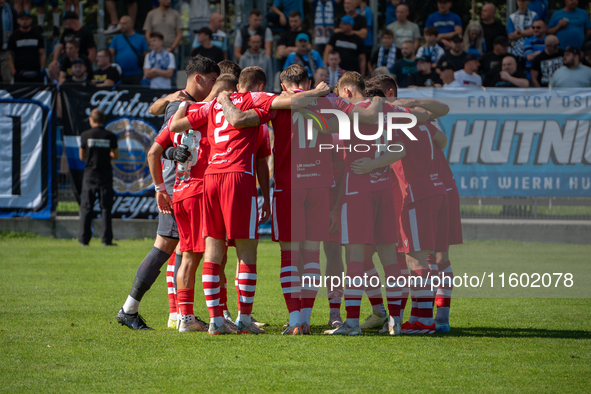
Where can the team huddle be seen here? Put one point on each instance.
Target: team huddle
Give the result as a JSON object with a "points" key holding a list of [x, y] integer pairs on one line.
{"points": [[400, 203]]}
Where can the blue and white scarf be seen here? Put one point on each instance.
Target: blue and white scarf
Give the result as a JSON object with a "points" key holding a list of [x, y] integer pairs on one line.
{"points": [[7, 25], [391, 57], [162, 62]]}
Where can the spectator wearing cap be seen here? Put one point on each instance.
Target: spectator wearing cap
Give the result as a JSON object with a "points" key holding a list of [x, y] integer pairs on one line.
{"points": [[572, 74], [287, 43], [391, 6], [468, 76], [491, 27], [79, 74], [493, 59], [324, 16], [106, 75], [446, 73], [540, 7], [26, 51], [159, 64], [474, 40], [255, 18], [282, 9], [129, 49], [206, 47], [167, 21], [218, 37], [425, 76], [406, 66], [385, 54], [547, 62], [519, 27], [359, 21], [570, 24], [430, 48], [403, 29], [535, 44], [254, 56], [509, 75], [72, 52], [75, 31], [350, 47], [447, 23], [456, 55], [305, 56]]}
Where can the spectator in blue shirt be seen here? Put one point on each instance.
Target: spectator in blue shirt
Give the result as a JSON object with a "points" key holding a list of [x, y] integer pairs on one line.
{"points": [[365, 11], [540, 7], [535, 44], [391, 10], [129, 49], [305, 56], [570, 24], [279, 16], [447, 23]]}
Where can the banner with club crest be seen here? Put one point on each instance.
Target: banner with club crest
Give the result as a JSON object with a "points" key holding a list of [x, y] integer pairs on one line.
{"points": [[128, 116]]}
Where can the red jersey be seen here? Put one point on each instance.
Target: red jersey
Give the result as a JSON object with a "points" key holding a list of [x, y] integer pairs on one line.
{"points": [[357, 148], [194, 184], [232, 149], [263, 142], [338, 156], [299, 163], [417, 171], [445, 174]]}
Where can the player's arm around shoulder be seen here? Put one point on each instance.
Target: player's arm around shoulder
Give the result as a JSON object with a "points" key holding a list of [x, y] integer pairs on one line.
{"points": [[235, 116], [367, 165], [180, 122], [301, 99]]}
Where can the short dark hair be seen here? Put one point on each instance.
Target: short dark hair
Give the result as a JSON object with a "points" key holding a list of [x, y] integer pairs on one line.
{"points": [[229, 67], [334, 52], [98, 116], [373, 90], [384, 82], [227, 81], [387, 32], [107, 53], [295, 73], [352, 79], [295, 13], [431, 31], [256, 12], [201, 65], [72, 40], [251, 76], [155, 34]]}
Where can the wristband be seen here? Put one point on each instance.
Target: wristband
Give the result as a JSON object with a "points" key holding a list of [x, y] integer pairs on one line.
{"points": [[160, 188], [183, 104]]}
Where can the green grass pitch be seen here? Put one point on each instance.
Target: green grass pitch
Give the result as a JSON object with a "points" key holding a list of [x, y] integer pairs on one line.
{"points": [[58, 332]]}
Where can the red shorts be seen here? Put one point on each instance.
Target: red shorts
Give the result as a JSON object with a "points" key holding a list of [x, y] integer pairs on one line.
{"points": [[424, 225], [454, 234], [188, 218], [230, 209], [333, 193], [301, 215], [369, 218]]}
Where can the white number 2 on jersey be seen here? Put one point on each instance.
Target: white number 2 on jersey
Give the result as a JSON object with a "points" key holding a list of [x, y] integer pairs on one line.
{"points": [[216, 132]]}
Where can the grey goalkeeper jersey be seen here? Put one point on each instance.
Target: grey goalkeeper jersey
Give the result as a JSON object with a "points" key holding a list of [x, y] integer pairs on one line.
{"points": [[169, 166]]}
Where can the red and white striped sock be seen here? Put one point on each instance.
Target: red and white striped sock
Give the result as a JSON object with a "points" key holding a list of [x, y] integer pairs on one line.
{"points": [[393, 291], [401, 258], [431, 261], [211, 287], [247, 284], [353, 291], [172, 305], [290, 284], [443, 295], [186, 299], [310, 284], [421, 291], [237, 292], [224, 296], [374, 286]]}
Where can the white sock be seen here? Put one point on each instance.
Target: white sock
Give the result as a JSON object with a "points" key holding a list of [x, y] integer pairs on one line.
{"points": [[401, 314], [172, 316], [245, 319], [428, 321], [335, 313], [294, 318], [306, 315], [392, 320], [380, 309], [56, 19], [442, 315], [40, 19], [218, 321], [131, 305], [187, 318], [352, 322]]}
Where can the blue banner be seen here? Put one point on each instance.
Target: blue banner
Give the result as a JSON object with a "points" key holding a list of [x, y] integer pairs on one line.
{"points": [[516, 142]]}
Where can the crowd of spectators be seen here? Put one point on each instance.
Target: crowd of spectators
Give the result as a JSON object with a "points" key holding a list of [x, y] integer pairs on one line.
{"points": [[537, 47]]}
